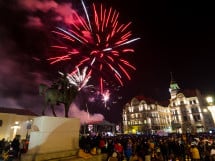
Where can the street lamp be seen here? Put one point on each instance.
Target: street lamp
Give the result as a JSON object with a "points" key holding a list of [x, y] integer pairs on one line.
{"points": [[209, 100], [211, 107], [205, 110], [28, 127]]}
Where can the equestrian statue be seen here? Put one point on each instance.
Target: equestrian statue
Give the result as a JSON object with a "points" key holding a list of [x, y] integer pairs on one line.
{"points": [[63, 91]]}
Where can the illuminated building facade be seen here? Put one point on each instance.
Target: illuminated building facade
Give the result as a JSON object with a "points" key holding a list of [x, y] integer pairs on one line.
{"points": [[143, 115], [15, 122], [189, 111], [186, 112]]}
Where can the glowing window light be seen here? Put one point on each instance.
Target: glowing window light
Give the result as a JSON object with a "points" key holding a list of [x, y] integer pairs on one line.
{"points": [[15, 127]]}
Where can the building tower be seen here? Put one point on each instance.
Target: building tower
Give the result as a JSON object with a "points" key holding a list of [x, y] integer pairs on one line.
{"points": [[174, 88]]}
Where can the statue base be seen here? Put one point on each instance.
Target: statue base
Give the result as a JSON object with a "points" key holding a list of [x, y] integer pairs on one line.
{"points": [[52, 137]]}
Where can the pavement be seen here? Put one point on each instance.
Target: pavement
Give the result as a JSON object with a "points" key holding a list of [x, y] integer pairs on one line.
{"points": [[99, 157]]}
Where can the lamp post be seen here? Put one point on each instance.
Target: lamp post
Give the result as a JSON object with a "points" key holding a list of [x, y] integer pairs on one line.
{"points": [[209, 100], [211, 107], [28, 127]]}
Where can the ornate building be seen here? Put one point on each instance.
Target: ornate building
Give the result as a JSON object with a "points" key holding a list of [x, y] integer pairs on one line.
{"points": [[185, 112], [144, 115]]}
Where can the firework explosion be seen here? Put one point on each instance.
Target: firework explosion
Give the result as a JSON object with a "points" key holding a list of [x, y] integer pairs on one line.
{"points": [[98, 42], [78, 79]]}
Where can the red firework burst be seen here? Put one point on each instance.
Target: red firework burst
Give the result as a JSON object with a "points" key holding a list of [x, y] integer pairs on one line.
{"points": [[98, 42]]}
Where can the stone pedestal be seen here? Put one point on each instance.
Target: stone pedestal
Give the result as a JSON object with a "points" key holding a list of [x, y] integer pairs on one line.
{"points": [[53, 137]]}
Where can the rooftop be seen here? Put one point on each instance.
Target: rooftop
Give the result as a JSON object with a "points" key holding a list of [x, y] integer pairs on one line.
{"points": [[17, 111]]}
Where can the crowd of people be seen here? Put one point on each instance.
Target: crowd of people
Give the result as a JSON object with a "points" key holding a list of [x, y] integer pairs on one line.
{"points": [[12, 150], [174, 147]]}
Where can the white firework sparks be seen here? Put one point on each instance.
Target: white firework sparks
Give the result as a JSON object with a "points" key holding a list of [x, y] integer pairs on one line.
{"points": [[106, 96], [79, 79]]}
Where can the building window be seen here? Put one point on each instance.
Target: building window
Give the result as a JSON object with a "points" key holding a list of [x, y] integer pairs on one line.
{"points": [[152, 107], [141, 108], [175, 112], [136, 115], [185, 118], [153, 115], [132, 122], [197, 118], [131, 109], [195, 110], [1, 122], [145, 106], [136, 122]]}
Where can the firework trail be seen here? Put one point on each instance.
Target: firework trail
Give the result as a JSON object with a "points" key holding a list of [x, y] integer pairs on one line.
{"points": [[99, 42], [106, 96]]}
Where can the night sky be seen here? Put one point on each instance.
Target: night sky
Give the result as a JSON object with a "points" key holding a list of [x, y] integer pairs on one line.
{"points": [[176, 36]]}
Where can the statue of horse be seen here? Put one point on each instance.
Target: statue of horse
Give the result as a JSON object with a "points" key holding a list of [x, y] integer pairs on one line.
{"points": [[64, 90], [51, 97], [54, 96]]}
